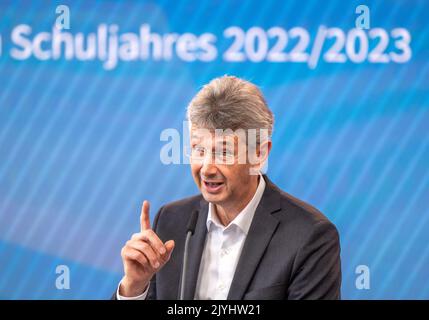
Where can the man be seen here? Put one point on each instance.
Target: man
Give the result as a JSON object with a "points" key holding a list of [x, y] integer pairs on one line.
{"points": [[252, 240]]}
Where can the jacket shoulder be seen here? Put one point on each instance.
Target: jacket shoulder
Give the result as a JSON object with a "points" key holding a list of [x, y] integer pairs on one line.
{"points": [[302, 215], [178, 211], [189, 203], [172, 218]]}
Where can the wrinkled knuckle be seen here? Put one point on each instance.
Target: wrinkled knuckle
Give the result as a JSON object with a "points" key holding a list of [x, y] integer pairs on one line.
{"points": [[135, 236]]}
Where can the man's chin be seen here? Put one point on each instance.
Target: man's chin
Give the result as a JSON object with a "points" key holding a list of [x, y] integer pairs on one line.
{"points": [[213, 198]]}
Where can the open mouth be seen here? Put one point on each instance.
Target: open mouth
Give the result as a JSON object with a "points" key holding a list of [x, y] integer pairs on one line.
{"points": [[212, 186]]}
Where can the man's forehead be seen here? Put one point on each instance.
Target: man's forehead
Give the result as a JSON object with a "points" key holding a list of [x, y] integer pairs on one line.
{"points": [[223, 136]]}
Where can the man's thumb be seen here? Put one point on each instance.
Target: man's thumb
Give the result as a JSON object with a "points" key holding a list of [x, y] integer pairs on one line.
{"points": [[169, 245]]}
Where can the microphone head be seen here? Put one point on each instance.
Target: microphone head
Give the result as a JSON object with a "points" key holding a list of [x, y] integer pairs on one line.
{"points": [[192, 222]]}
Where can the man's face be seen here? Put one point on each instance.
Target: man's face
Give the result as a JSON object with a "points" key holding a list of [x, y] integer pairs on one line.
{"points": [[216, 169]]}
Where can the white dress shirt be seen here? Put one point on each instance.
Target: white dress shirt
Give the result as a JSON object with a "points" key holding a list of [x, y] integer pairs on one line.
{"points": [[221, 252]]}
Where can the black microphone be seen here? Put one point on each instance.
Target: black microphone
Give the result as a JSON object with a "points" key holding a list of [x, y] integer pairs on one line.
{"points": [[189, 232]]}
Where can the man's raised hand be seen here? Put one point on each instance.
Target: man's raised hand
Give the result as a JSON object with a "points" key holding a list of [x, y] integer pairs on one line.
{"points": [[143, 255]]}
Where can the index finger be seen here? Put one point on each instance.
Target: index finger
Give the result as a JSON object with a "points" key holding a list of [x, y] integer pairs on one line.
{"points": [[144, 216]]}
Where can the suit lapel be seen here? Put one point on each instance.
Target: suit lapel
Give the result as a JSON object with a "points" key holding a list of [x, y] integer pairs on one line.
{"points": [[260, 233], [196, 247]]}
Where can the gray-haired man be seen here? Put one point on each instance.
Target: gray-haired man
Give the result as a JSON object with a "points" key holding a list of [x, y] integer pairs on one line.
{"points": [[252, 240]]}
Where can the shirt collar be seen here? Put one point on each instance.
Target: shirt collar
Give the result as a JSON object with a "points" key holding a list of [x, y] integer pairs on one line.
{"points": [[245, 217]]}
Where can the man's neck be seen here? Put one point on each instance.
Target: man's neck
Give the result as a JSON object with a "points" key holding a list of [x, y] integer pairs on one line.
{"points": [[226, 213]]}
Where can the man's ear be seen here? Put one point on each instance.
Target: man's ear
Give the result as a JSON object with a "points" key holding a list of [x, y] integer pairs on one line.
{"points": [[264, 150]]}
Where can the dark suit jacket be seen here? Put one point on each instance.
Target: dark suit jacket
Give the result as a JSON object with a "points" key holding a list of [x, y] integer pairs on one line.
{"points": [[292, 251]]}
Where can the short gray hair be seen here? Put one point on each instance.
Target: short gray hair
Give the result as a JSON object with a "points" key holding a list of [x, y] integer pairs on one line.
{"points": [[232, 103]]}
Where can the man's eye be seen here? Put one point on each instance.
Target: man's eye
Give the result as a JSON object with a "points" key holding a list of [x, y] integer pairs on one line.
{"points": [[198, 150]]}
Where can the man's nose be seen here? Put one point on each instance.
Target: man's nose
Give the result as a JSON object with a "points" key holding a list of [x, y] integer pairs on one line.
{"points": [[208, 167]]}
